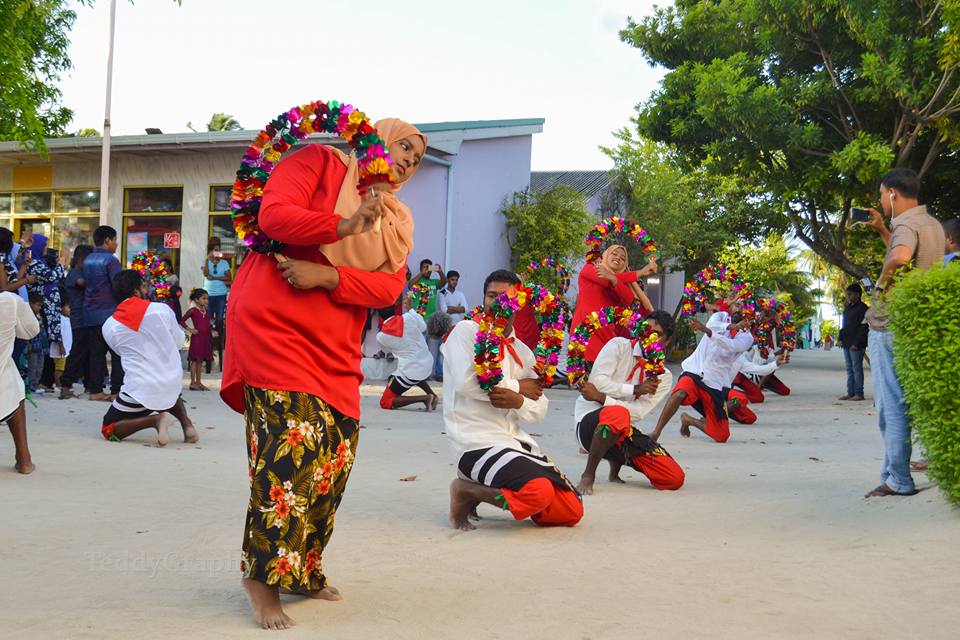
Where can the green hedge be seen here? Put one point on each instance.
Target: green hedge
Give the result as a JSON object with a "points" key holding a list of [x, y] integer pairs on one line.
{"points": [[925, 318]]}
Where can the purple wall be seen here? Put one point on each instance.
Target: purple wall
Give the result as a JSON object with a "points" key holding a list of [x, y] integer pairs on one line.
{"points": [[484, 172]]}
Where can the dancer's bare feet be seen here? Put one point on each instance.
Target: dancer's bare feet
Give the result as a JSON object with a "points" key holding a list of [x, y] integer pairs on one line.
{"points": [[327, 593], [586, 484], [25, 467], [434, 401], [265, 603], [615, 473], [190, 434], [163, 428], [462, 503], [685, 422]]}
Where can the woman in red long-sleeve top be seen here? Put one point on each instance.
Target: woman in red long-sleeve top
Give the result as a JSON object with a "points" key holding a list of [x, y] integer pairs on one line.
{"points": [[292, 360], [607, 283]]}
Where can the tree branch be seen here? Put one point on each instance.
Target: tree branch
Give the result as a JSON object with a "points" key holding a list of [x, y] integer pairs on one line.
{"points": [[931, 156]]}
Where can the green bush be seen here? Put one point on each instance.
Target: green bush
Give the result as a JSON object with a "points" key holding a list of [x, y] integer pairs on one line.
{"points": [[925, 319], [549, 224]]}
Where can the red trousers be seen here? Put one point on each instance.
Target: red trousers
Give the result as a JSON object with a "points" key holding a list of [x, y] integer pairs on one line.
{"points": [[544, 503], [717, 426], [751, 388], [661, 469], [774, 384], [386, 400], [742, 413]]}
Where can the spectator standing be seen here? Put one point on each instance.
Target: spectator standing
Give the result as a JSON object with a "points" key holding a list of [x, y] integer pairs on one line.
{"points": [[915, 239], [216, 278], [78, 360], [951, 231], [853, 340], [452, 301], [425, 277], [99, 303]]}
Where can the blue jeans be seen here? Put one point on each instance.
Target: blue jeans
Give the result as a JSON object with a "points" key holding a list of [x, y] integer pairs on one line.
{"points": [[854, 361], [892, 407], [217, 307], [434, 345]]}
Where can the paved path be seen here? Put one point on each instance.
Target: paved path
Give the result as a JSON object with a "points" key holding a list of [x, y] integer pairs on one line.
{"points": [[770, 537]]}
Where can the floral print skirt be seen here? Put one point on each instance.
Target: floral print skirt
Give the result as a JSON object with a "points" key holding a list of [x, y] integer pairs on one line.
{"points": [[300, 452]]}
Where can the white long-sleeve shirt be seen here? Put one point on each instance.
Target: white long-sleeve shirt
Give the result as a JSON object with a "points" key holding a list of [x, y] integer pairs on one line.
{"points": [[453, 299], [613, 374], [715, 358], [152, 370], [414, 361], [470, 420], [753, 364], [17, 320]]}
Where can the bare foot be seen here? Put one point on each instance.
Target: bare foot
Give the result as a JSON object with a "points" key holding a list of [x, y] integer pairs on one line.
{"points": [[586, 484], [26, 467], [100, 397], [190, 434], [196, 387], [163, 428], [265, 602], [685, 425], [462, 503], [583, 451], [204, 387], [327, 593], [434, 401], [615, 474]]}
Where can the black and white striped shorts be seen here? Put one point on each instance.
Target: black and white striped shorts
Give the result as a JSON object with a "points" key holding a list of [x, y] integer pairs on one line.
{"points": [[510, 468], [125, 408]]}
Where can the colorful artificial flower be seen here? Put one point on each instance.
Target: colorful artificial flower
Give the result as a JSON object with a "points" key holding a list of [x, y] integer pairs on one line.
{"points": [[630, 319], [555, 266], [422, 292], [148, 265], [282, 133], [617, 225], [489, 350], [714, 282]]}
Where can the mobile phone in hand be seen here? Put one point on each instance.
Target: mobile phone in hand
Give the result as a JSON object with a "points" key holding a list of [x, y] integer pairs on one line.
{"points": [[859, 215]]}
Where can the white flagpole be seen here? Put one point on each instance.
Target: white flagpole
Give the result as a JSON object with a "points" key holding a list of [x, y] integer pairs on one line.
{"points": [[105, 156]]}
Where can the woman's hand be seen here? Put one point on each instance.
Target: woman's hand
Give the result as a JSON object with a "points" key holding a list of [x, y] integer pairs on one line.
{"points": [[370, 210], [303, 274], [64, 257], [607, 274], [651, 267]]}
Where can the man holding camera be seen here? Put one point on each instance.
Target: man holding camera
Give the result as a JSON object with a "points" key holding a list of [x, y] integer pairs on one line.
{"points": [[915, 239]]}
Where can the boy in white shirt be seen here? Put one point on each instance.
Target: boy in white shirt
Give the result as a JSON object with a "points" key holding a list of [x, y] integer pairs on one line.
{"points": [[147, 338], [616, 397], [403, 336], [708, 373], [452, 302], [17, 320], [498, 463]]}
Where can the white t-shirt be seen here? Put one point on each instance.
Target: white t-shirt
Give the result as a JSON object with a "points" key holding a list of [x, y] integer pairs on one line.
{"points": [[453, 299], [17, 320], [152, 370], [716, 358], [614, 363], [471, 421], [414, 361]]}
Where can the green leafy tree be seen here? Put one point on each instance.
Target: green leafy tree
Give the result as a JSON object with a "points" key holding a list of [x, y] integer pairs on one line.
{"points": [[810, 100], [690, 214], [829, 328], [773, 269], [548, 224], [926, 326], [33, 55], [223, 122], [87, 132]]}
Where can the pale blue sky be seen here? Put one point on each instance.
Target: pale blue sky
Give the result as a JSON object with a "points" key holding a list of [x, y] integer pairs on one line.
{"points": [[422, 60]]}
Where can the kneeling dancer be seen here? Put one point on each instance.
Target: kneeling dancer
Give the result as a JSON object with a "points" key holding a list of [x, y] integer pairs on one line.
{"points": [[708, 373], [403, 336], [616, 395], [147, 338], [497, 462]]}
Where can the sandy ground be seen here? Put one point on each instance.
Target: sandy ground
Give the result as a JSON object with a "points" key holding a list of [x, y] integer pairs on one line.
{"points": [[770, 537]]}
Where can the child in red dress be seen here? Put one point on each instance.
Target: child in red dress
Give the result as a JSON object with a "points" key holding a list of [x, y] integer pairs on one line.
{"points": [[201, 335]]}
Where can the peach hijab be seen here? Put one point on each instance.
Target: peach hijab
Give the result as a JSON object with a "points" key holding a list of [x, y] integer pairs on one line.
{"points": [[387, 250]]}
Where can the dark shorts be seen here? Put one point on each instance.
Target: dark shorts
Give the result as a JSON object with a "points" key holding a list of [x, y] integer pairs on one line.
{"points": [[125, 408], [400, 385]]}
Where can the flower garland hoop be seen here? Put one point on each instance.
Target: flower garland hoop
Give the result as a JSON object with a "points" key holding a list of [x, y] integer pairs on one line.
{"points": [[713, 278], [776, 314], [284, 132], [617, 224], [489, 350], [549, 263], [422, 292], [630, 319], [150, 266]]}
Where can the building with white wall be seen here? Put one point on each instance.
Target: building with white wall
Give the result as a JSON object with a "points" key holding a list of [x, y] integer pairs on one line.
{"points": [[170, 192]]}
